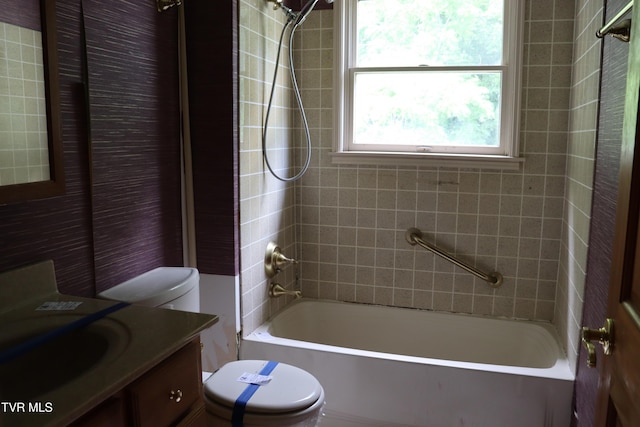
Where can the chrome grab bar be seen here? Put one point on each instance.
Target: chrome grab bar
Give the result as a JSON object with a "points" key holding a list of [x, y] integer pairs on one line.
{"points": [[414, 237]]}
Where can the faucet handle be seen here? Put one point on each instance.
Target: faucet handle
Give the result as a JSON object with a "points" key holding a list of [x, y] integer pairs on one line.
{"points": [[280, 260], [275, 260]]}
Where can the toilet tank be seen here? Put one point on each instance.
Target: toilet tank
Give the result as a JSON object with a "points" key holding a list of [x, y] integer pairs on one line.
{"points": [[169, 287]]}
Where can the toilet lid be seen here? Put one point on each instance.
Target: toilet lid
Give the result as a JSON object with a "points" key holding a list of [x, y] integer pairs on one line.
{"points": [[290, 389], [156, 287]]}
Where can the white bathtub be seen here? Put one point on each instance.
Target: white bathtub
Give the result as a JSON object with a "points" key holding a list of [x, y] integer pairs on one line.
{"points": [[384, 366]]}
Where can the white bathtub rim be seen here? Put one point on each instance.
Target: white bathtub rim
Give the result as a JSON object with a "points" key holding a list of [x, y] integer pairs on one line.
{"points": [[561, 370]]}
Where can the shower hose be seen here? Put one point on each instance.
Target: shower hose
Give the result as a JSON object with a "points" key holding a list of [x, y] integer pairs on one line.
{"points": [[296, 91]]}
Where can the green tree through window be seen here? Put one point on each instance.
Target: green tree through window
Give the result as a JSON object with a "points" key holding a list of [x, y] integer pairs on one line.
{"points": [[441, 101], [427, 82]]}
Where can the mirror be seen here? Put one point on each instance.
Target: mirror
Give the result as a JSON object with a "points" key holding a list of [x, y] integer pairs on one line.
{"points": [[31, 161]]}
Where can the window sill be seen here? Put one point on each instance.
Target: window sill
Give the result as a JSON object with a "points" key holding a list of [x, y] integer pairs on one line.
{"points": [[427, 159]]}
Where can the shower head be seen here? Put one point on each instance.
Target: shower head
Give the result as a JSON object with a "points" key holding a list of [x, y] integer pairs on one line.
{"points": [[304, 12], [299, 17]]}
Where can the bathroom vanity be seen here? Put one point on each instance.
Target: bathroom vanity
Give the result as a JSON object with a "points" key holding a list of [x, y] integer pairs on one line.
{"points": [[169, 394], [126, 365]]}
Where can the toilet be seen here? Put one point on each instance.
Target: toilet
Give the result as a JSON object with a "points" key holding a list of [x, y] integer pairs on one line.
{"points": [[292, 397], [176, 288], [289, 396]]}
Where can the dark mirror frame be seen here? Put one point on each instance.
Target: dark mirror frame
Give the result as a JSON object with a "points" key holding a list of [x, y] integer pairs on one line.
{"points": [[55, 185]]}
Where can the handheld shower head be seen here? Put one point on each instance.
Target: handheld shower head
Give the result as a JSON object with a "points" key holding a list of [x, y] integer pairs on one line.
{"points": [[304, 12]]}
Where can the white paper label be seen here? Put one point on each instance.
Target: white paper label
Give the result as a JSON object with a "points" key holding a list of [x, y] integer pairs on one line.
{"points": [[256, 379], [59, 305]]}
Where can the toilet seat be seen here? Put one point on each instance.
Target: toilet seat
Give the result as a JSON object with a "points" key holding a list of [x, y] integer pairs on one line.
{"points": [[290, 390]]}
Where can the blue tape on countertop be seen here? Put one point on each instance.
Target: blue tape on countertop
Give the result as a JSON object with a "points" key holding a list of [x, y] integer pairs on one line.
{"points": [[237, 417], [30, 344]]}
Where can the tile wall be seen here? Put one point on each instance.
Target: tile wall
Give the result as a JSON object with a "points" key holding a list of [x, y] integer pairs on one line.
{"points": [[352, 219], [580, 170], [266, 204], [23, 123]]}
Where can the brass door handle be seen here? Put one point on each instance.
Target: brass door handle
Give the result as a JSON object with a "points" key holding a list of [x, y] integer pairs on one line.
{"points": [[604, 336]]}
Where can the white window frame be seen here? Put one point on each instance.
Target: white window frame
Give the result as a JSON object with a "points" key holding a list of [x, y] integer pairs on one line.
{"points": [[344, 71]]}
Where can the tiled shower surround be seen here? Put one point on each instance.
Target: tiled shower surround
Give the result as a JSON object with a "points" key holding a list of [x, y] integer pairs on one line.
{"points": [[351, 220], [580, 172], [266, 205]]}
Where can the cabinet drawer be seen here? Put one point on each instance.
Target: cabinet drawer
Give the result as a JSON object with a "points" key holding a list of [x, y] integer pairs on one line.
{"points": [[166, 393]]}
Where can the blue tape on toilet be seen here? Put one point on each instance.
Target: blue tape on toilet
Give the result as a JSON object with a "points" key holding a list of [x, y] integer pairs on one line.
{"points": [[237, 417]]}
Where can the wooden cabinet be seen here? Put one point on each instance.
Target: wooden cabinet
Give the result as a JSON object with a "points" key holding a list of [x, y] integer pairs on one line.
{"points": [[166, 393], [110, 413], [170, 394]]}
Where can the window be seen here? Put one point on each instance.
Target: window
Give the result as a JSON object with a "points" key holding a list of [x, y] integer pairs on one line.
{"points": [[421, 80]]}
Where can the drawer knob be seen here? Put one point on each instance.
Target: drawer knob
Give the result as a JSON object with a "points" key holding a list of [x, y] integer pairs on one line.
{"points": [[176, 395]]}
